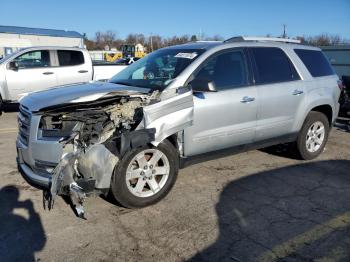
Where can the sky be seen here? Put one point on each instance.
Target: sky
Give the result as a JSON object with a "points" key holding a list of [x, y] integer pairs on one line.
{"points": [[178, 17]]}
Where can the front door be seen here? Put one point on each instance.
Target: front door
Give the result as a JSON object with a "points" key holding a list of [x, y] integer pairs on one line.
{"points": [[225, 118], [34, 73]]}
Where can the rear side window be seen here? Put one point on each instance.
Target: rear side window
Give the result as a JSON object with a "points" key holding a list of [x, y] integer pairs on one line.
{"points": [[315, 62], [227, 70], [70, 58], [272, 65]]}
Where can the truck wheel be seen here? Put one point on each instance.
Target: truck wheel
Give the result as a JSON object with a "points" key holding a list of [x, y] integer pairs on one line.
{"points": [[313, 136], [1, 105], [145, 175]]}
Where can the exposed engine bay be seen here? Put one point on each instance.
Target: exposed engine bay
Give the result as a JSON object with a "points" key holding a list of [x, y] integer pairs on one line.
{"points": [[94, 136]]}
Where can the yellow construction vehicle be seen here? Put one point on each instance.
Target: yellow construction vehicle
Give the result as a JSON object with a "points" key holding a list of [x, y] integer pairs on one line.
{"points": [[113, 56], [132, 50]]}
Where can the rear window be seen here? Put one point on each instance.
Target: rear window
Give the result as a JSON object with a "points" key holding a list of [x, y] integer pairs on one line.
{"points": [[70, 58], [315, 62], [272, 65]]}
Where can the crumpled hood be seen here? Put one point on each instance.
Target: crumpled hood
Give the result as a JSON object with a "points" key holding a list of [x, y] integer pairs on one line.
{"points": [[75, 94]]}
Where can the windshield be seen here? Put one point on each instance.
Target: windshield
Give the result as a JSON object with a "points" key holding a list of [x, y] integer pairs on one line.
{"points": [[7, 57], [157, 70]]}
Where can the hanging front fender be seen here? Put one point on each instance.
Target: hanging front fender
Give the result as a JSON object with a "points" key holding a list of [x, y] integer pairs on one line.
{"points": [[169, 116]]}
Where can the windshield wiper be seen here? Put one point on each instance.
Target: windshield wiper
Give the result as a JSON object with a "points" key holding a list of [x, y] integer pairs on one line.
{"points": [[122, 83]]}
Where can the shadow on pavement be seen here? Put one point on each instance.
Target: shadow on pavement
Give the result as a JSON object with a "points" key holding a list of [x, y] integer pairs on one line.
{"points": [[294, 213], [20, 237], [282, 150], [343, 124], [10, 108]]}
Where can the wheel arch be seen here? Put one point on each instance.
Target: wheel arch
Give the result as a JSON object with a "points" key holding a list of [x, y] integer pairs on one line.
{"points": [[325, 109], [176, 141], [173, 140]]}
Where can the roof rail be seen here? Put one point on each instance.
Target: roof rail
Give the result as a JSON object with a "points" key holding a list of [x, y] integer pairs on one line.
{"points": [[208, 41], [261, 39]]}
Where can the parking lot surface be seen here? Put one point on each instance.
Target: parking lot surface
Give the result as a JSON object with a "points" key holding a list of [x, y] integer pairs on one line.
{"points": [[256, 206]]}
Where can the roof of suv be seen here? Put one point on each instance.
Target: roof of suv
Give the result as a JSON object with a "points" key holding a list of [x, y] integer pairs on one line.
{"points": [[241, 41]]}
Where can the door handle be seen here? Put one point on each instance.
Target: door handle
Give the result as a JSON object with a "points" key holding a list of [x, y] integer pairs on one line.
{"points": [[297, 92], [83, 71], [247, 99], [47, 73]]}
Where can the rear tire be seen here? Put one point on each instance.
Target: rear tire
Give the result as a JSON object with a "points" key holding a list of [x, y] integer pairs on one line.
{"points": [[1, 105], [313, 136], [140, 180]]}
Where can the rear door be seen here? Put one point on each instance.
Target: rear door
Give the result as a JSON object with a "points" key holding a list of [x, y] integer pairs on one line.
{"points": [[73, 67], [35, 72], [280, 91], [225, 118]]}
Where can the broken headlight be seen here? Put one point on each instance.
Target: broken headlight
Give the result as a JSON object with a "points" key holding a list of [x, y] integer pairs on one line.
{"points": [[55, 126]]}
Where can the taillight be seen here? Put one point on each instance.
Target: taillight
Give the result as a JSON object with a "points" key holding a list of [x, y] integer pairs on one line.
{"points": [[340, 85]]}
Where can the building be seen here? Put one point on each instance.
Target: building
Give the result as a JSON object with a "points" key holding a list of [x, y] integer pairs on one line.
{"points": [[15, 37], [339, 56]]}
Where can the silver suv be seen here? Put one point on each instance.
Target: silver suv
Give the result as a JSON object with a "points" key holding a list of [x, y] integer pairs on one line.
{"points": [[131, 135]]}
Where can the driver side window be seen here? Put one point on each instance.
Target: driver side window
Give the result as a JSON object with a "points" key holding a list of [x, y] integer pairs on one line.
{"points": [[226, 70], [33, 59]]}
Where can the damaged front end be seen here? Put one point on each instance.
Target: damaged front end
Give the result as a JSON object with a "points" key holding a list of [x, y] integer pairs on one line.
{"points": [[95, 135]]}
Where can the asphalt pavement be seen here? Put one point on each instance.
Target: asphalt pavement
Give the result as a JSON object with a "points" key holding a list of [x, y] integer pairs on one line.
{"points": [[260, 205]]}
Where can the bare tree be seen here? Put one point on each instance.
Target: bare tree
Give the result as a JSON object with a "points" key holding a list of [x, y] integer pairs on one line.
{"points": [[322, 40], [194, 38], [140, 39], [176, 40], [90, 44], [135, 39], [104, 38], [130, 39], [214, 38], [336, 40], [156, 41]]}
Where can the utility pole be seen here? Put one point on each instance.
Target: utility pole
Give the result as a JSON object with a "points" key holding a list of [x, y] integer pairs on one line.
{"points": [[151, 43], [284, 31]]}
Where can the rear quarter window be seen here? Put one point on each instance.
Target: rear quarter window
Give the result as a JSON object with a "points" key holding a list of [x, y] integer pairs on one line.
{"points": [[315, 62]]}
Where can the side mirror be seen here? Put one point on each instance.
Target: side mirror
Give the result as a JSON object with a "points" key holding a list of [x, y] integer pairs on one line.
{"points": [[202, 85], [13, 65]]}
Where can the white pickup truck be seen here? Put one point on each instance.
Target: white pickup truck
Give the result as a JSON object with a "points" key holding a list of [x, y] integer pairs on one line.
{"points": [[39, 68]]}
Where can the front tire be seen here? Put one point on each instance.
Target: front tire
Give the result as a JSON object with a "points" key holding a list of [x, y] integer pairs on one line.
{"points": [[145, 175], [313, 136]]}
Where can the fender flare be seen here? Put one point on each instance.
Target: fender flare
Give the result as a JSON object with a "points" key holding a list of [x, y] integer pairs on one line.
{"points": [[325, 102]]}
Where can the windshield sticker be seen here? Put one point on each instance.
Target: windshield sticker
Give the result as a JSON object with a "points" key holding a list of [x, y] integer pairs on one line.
{"points": [[186, 55]]}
